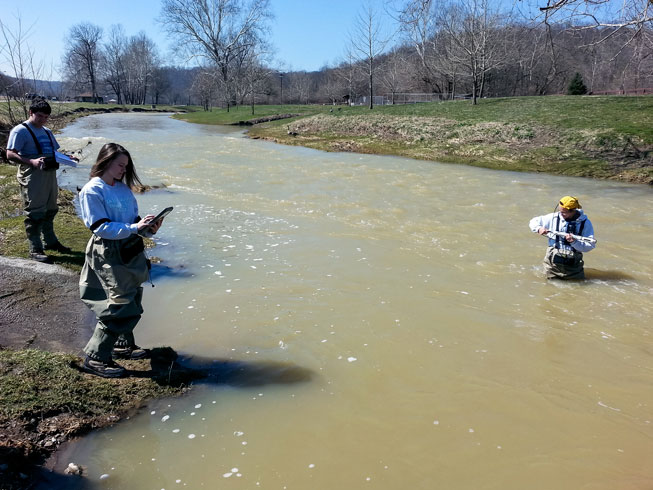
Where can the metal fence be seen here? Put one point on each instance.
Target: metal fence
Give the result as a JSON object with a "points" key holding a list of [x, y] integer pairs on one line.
{"points": [[407, 98], [628, 91]]}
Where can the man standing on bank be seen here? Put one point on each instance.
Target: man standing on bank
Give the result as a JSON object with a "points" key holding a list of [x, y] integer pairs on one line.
{"points": [[564, 255], [32, 146]]}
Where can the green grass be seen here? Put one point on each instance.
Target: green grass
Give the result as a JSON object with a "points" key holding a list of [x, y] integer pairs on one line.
{"points": [[38, 384], [609, 114], [625, 115], [68, 226], [244, 113]]}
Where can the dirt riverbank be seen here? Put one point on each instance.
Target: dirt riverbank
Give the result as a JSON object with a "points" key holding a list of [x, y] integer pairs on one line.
{"points": [[494, 145], [45, 401]]}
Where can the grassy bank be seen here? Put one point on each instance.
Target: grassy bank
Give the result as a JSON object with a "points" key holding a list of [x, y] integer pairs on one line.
{"points": [[242, 114], [607, 137], [69, 227], [45, 401]]}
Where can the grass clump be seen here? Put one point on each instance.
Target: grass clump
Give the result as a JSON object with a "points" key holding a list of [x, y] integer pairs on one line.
{"points": [[36, 384]]}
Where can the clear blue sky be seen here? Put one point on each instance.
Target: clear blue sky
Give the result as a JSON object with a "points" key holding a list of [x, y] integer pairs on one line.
{"points": [[306, 34]]}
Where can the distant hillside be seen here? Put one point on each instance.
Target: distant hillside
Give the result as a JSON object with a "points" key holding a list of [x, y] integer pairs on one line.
{"points": [[46, 88]]}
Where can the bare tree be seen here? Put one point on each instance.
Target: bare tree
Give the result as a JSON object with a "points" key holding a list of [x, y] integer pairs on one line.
{"points": [[141, 60], [204, 86], [83, 56], [217, 30], [160, 84], [633, 19], [418, 20], [299, 87], [633, 14], [391, 73], [349, 74], [256, 78], [24, 72], [114, 70], [368, 43], [473, 29], [331, 86]]}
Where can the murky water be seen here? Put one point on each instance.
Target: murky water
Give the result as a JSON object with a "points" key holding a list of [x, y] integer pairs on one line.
{"points": [[379, 323]]}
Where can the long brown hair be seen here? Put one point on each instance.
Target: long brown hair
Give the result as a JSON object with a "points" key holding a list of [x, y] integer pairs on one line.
{"points": [[107, 154]]}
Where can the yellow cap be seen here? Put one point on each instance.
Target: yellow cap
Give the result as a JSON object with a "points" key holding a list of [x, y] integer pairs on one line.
{"points": [[570, 202]]}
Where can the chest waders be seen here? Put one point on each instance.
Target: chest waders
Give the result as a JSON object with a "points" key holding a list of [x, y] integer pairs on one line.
{"points": [[38, 189], [111, 287], [562, 261]]}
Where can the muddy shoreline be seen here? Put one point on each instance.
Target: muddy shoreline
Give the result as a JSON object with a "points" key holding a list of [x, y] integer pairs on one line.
{"points": [[40, 307], [40, 314]]}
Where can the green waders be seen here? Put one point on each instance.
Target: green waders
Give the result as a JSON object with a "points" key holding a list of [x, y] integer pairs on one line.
{"points": [[559, 266], [112, 289], [39, 190]]}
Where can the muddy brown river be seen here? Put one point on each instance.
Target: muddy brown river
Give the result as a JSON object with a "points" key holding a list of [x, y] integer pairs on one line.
{"points": [[378, 322]]}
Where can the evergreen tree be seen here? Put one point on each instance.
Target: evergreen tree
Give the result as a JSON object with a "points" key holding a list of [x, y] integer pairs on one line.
{"points": [[576, 86]]}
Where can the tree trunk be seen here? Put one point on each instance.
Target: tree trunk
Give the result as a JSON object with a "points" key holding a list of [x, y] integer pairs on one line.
{"points": [[371, 88]]}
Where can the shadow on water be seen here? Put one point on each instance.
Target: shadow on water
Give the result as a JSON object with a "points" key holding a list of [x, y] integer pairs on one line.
{"points": [[170, 368], [167, 367], [159, 271], [245, 373], [600, 275]]}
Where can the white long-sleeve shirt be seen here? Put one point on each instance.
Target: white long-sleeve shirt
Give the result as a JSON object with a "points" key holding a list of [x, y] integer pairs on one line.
{"points": [[109, 211]]}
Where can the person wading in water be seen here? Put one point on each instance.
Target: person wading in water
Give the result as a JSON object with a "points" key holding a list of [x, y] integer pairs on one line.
{"points": [[570, 233]]}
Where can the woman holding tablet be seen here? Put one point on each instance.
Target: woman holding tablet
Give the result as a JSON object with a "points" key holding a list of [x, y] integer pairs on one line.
{"points": [[115, 265]]}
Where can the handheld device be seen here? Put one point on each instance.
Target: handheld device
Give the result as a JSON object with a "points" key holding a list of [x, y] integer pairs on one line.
{"points": [[158, 217]]}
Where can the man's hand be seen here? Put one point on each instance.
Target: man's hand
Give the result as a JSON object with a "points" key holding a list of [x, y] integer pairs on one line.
{"points": [[13, 156], [542, 231]]}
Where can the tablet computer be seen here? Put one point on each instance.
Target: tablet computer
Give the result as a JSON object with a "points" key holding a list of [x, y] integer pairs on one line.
{"points": [[158, 217]]}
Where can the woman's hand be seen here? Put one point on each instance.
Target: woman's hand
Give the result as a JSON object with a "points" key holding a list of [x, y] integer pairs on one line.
{"points": [[155, 226], [147, 221]]}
